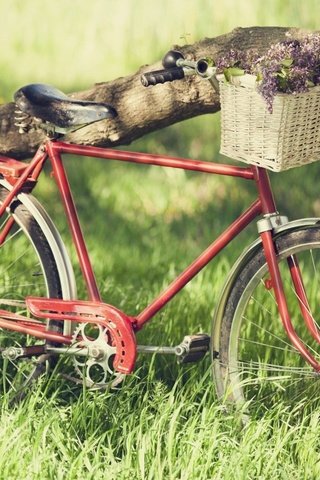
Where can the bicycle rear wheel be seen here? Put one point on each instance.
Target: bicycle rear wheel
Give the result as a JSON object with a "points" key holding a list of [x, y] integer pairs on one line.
{"points": [[257, 366], [27, 267]]}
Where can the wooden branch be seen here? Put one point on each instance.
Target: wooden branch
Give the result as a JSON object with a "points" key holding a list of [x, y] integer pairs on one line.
{"points": [[142, 110]]}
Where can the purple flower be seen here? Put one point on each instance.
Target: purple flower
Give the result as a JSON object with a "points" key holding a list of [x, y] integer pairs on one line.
{"points": [[237, 58], [291, 66]]}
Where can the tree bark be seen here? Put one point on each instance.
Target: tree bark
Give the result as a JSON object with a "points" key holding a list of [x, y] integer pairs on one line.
{"points": [[142, 110]]}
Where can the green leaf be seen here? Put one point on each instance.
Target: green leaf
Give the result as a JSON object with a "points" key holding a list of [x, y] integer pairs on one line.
{"points": [[227, 74], [232, 72], [236, 72], [310, 83], [282, 74], [283, 84], [287, 62]]}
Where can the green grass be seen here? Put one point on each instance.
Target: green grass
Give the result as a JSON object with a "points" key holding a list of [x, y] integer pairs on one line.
{"points": [[149, 431], [165, 423]]}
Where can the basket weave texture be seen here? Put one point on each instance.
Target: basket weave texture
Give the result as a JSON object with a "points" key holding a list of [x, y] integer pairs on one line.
{"points": [[286, 138]]}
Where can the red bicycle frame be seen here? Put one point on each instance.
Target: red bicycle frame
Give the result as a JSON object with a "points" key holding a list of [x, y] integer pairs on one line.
{"points": [[264, 205], [55, 149]]}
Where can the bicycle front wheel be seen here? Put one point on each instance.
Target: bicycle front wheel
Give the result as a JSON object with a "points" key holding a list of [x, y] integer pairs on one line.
{"points": [[27, 267], [257, 366]]}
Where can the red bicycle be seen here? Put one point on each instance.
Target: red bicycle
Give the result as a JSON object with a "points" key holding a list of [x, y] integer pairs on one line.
{"points": [[265, 340]]}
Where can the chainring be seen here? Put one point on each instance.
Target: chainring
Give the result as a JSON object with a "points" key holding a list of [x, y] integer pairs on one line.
{"points": [[94, 360]]}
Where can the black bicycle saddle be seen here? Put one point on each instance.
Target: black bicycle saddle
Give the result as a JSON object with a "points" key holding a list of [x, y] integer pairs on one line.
{"points": [[53, 106]]}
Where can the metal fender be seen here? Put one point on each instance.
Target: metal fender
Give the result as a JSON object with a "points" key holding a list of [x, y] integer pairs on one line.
{"points": [[238, 266]]}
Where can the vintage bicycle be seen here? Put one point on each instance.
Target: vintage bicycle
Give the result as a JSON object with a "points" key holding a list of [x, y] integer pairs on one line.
{"points": [[265, 339]]}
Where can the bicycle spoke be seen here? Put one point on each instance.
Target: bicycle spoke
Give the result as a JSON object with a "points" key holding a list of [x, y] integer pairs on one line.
{"points": [[256, 367], [272, 335], [11, 237]]}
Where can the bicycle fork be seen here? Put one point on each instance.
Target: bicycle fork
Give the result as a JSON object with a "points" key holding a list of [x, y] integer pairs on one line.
{"points": [[265, 228], [278, 288]]}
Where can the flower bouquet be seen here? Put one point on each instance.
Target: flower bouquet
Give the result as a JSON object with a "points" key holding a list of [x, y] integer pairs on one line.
{"points": [[270, 104]]}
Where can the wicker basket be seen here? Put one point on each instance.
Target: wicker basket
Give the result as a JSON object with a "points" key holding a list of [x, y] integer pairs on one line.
{"points": [[286, 138]]}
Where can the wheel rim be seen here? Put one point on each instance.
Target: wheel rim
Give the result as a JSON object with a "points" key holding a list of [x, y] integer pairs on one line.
{"points": [[263, 365]]}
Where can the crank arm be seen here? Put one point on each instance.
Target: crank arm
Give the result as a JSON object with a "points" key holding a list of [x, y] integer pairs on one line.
{"points": [[151, 349], [82, 352], [191, 349], [14, 353]]}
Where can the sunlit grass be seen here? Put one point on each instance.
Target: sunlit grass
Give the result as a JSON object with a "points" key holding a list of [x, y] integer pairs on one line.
{"points": [[153, 431], [165, 422]]}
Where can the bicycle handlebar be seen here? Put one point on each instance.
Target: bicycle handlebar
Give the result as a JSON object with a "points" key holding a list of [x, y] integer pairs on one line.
{"points": [[176, 68], [162, 76]]}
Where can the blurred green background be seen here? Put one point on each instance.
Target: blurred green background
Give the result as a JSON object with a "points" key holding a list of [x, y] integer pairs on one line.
{"points": [[75, 44]]}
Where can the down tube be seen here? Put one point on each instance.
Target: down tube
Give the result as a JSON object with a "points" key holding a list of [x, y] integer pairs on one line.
{"points": [[222, 241]]}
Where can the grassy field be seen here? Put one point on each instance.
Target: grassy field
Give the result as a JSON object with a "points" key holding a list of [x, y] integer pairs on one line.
{"points": [[165, 422]]}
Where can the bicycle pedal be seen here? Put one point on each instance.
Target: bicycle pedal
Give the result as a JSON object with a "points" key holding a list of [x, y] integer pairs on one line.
{"points": [[192, 348]]}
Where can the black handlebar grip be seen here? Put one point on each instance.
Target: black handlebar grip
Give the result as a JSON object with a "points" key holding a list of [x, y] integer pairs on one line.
{"points": [[162, 76]]}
